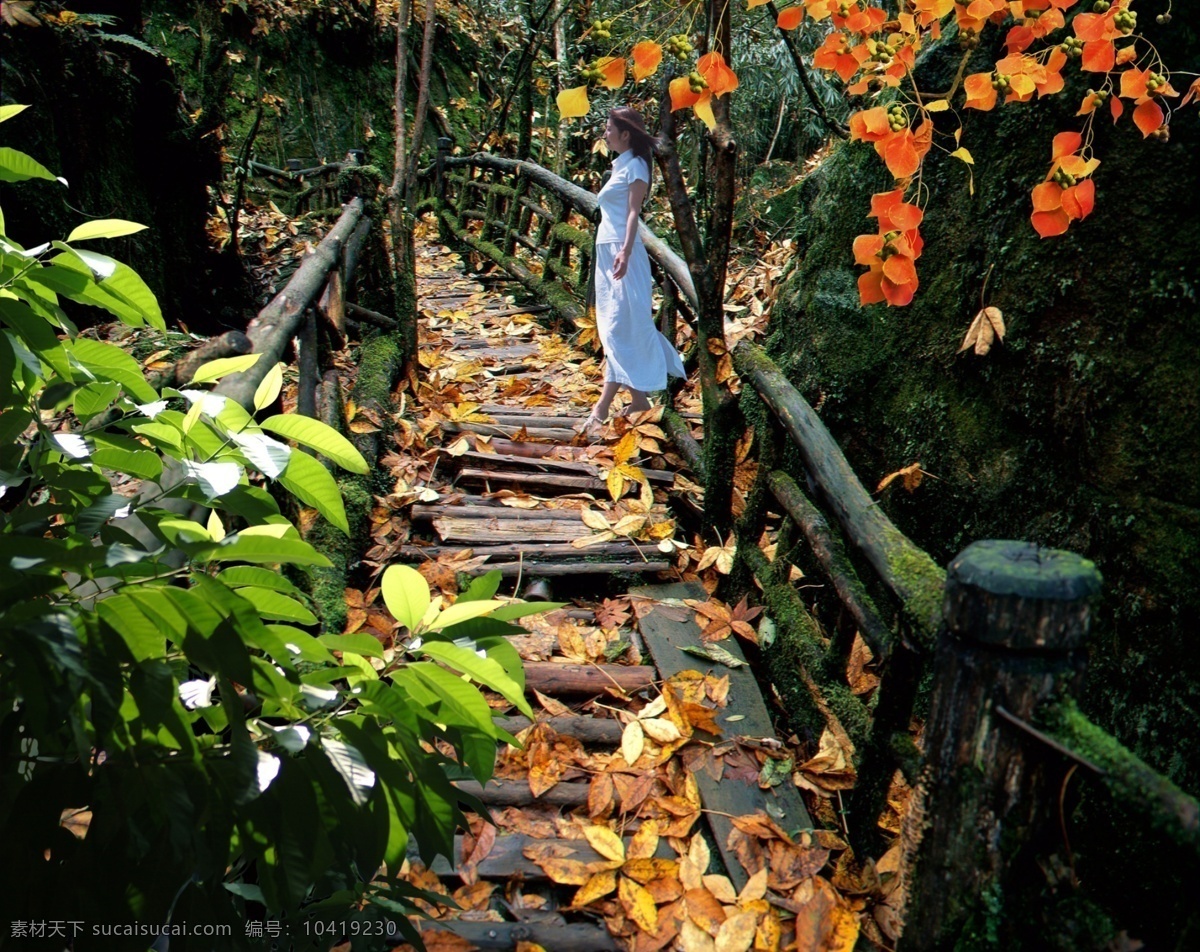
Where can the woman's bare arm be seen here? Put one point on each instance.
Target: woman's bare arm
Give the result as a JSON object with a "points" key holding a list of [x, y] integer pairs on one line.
{"points": [[637, 195]]}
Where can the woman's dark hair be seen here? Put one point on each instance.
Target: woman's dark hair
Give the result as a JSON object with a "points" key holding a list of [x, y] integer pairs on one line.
{"points": [[641, 143]]}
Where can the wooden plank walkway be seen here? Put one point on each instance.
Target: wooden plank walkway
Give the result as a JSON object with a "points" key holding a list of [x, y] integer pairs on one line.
{"points": [[504, 399], [513, 483]]}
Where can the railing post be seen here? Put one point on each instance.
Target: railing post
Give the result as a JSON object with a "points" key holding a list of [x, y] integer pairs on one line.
{"points": [[1016, 616], [444, 145]]}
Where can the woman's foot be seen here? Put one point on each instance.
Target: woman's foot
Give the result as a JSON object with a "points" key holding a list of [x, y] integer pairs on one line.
{"points": [[592, 427]]}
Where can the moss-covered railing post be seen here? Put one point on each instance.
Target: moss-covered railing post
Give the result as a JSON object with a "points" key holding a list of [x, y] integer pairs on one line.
{"points": [[1016, 616], [444, 145]]}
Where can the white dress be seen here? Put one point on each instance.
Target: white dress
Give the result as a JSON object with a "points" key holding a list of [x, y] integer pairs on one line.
{"points": [[637, 355]]}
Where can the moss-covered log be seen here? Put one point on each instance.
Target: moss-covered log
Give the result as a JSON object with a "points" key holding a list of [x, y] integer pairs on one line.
{"points": [[1159, 802], [797, 651], [828, 550], [909, 572]]}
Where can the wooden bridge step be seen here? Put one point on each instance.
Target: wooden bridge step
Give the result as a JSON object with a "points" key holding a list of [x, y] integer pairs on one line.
{"points": [[479, 507], [561, 568], [591, 730], [525, 526], [516, 793], [553, 677], [529, 551], [558, 434]]}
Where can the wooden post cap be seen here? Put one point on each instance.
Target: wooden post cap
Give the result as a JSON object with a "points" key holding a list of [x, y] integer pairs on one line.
{"points": [[445, 144], [1018, 595]]}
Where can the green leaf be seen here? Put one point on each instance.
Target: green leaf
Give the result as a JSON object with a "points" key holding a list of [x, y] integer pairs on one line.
{"points": [[126, 456], [359, 643], [263, 550], [240, 575], [320, 437], [216, 369], [310, 648], [105, 228], [276, 605], [311, 483], [95, 398], [482, 587], [13, 109], [472, 710], [268, 390], [110, 362], [463, 611], [142, 635], [516, 610], [89, 520], [486, 671], [37, 335], [17, 167], [118, 288], [406, 594]]}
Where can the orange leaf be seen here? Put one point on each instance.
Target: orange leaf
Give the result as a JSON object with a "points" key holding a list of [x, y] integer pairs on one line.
{"points": [[716, 72], [1050, 224], [1148, 117], [870, 125], [1116, 107], [900, 155], [899, 269], [981, 94], [867, 248], [613, 68], [790, 18], [681, 94], [905, 216], [897, 295], [1090, 27], [1133, 83], [1193, 91], [1079, 200], [1066, 143], [646, 57], [1099, 56], [1047, 197], [870, 289]]}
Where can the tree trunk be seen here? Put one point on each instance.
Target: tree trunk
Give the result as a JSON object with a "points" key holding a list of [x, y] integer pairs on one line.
{"points": [[418, 130]]}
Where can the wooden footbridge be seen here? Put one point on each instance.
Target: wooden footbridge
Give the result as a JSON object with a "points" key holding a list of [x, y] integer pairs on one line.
{"points": [[495, 477]]}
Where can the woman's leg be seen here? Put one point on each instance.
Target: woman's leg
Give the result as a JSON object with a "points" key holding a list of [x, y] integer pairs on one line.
{"points": [[600, 410], [638, 401]]}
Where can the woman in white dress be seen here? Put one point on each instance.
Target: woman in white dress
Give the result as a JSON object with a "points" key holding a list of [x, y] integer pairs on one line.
{"points": [[637, 356]]}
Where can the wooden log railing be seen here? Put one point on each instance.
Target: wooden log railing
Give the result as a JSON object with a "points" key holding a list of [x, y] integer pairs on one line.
{"points": [[301, 189], [536, 226], [1002, 633]]}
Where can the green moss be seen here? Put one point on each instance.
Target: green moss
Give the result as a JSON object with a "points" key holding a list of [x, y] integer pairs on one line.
{"points": [[923, 582], [327, 584], [798, 650], [1162, 805], [572, 235]]}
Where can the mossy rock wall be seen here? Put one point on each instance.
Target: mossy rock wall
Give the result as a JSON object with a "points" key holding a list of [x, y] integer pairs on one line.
{"points": [[107, 117], [1083, 430]]}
